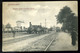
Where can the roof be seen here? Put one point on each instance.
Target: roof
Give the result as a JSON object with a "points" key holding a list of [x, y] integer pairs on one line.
{"points": [[20, 21], [36, 26]]}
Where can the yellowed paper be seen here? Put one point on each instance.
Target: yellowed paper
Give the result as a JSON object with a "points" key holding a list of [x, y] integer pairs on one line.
{"points": [[19, 16]]}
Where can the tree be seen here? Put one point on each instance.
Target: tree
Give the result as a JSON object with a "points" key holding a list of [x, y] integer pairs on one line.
{"points": [[3, 28], [8, 26], [69, 21]]}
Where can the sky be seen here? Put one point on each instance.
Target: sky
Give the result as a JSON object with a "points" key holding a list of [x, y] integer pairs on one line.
{"points": [[35, 12]]}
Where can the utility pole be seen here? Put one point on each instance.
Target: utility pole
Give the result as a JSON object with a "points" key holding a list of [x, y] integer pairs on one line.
{"points": [[45, 22], [40, 24]]}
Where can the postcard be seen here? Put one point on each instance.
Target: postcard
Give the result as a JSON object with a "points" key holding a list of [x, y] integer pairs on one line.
{"points": [[40, 26]]}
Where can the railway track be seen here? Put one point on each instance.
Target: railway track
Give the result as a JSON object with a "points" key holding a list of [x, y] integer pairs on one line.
{"points": [[41, 45], [49, 45]]}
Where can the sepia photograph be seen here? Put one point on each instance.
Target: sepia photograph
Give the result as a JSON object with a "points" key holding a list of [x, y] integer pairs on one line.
{"points": [[40, 26]]}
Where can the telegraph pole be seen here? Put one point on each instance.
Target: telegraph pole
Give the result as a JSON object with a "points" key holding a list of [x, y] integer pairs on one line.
{"points": [[45, 22], [40, 24]]}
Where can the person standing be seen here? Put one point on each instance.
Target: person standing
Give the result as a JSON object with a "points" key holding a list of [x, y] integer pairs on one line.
{"points": [[13, 33]]}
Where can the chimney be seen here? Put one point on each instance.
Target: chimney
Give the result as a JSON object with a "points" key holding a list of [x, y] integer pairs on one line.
{"points": [[30, 24]]}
